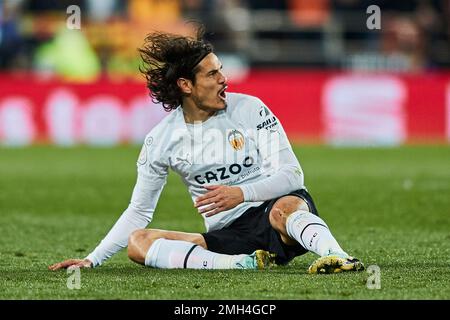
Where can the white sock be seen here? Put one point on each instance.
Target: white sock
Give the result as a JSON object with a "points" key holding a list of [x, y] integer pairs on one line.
{"points": [[312, 233], [171, 254]]}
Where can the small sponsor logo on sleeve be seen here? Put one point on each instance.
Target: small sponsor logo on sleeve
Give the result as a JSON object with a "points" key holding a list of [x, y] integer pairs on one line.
{"points": [[149, 141], [143, 155], [263, 111]]}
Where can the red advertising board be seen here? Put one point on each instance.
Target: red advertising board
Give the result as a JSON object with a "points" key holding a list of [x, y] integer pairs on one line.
{"points": [[330, 107]]}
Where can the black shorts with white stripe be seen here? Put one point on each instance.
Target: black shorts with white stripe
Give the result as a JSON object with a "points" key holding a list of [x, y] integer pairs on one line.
{"points": [[252, 231]]}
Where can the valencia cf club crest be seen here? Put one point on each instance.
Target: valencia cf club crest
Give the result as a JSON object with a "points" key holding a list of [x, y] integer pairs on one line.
{"points": [[236, 139]]}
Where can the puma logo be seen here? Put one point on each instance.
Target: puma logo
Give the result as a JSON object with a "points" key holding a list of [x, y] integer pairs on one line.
{"points": [[183, 160]]}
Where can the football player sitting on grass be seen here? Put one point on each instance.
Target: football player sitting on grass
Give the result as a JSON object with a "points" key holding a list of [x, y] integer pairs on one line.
{"points": [[238, 165]]}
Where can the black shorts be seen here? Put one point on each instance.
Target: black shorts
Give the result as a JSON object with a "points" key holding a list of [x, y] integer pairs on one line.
{"points": [[253, 231]]}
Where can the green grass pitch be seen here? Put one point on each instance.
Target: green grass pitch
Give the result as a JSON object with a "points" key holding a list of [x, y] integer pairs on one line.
{"points": [[389, 207]]}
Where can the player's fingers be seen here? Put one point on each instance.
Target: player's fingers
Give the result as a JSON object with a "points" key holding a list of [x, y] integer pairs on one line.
{"points": [[206, 202], [218, 207], [212, 187], [206, 196], [206, 209], [67, 263], [212, 193], [203, 202], [64, 264], [55, 266], [70, 262], [201, 198], [75, 266], [215, 211], [79, 265]]}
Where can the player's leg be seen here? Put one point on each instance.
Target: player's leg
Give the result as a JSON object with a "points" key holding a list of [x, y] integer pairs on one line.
{"points": [[141, 240], [291, 216], [310, 230], [281, 210], [171, 249]]}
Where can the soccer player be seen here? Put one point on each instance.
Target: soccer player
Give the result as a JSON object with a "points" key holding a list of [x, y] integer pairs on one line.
{"points": [[238, 165]]}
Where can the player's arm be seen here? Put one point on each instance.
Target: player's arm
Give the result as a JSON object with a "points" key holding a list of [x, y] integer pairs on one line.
{"points": [[284, 171], [287, 178], [136, 216], [151, 179]]}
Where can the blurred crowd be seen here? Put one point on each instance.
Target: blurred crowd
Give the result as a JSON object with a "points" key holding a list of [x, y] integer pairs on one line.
{"points": [[414, 34]]}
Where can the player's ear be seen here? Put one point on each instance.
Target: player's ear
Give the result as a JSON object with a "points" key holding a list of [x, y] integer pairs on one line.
{"points": [[185, 85]]}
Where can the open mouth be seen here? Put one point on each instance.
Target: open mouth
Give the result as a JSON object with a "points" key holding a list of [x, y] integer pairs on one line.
{"points": [[222, 94]]}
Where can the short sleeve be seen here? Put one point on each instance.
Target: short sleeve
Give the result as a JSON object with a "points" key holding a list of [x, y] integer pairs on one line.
{"points": [[152, 166]]}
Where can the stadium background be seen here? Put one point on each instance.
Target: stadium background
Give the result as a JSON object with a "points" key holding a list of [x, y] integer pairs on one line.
{"points": [[331, 81], [315, 63]]}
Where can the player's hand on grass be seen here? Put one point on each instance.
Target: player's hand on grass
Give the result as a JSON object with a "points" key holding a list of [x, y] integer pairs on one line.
{"points": [[71, 264], [219, 198]]}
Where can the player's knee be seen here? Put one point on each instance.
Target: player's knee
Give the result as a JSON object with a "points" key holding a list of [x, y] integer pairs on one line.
{"points": [[134, 237], [133, 244], [278, 219], [138, 243], [275, 218], [282, 209]]}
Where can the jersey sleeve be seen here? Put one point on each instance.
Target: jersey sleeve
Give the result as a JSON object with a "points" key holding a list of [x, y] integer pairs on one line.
{"points": [[152, 173]]}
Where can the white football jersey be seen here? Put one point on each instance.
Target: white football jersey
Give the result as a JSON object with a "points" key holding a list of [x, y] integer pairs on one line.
{"points": [[226, 149], [239, 146]]}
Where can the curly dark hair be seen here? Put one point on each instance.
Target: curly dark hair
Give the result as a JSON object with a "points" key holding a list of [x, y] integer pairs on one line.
{"points": [[168, 57]]}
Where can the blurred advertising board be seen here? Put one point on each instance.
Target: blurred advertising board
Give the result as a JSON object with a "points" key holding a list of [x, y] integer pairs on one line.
{"points": [[319, 107]]}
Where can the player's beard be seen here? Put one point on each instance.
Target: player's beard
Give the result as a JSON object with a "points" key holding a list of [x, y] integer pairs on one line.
{"points": [[203, 104]]}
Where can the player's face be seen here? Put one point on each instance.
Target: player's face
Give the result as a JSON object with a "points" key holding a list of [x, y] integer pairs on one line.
{"points": [[208, 92]]}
